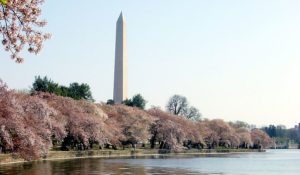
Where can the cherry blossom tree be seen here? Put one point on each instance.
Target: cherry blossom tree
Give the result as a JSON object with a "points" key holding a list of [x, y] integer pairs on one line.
{"points": [[223, 130], [173, 132], [218, 133], [209, 135], [244, 135], [261, 139], [26, 124], [133, 123], [30, 124], [193, 136], [19, 24], [83, 120]]}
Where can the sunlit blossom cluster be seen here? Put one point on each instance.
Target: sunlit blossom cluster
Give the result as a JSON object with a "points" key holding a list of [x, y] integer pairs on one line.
{"points": [[19, 24]]}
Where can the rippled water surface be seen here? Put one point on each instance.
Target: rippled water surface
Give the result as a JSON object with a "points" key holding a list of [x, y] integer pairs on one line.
{"points": [[273, 162]]}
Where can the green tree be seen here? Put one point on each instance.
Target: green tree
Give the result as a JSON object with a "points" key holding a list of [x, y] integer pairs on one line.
{"points": [[78, 91], [63, 91], [45, 85], [110, 102], [127, 102], [75, 90], [137, 101]]}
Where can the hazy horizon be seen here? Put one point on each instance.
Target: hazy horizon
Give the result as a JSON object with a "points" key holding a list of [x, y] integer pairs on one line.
{"points": [[234, 60]]}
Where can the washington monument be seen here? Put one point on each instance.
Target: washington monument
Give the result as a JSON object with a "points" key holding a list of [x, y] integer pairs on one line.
{"points": [[120, 79]]}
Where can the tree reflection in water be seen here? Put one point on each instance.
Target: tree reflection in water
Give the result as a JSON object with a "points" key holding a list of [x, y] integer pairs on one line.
{"points": [[85, 166]]}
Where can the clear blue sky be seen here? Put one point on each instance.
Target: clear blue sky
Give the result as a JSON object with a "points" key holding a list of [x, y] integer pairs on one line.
{"points": [[235, 60]]}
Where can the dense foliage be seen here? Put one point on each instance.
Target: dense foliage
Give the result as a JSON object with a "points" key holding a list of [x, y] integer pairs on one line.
{"points": [[282, 135], [75, 90], [27, 124], [19, 26], [137, 101], [32, 124], [110, 102]]}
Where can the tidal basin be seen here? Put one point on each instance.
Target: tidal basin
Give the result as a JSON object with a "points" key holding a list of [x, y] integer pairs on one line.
{"points": [[272, 162]]}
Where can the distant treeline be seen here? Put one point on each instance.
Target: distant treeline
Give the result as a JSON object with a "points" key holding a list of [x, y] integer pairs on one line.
{"points": [[33, 124], [282, 135]]}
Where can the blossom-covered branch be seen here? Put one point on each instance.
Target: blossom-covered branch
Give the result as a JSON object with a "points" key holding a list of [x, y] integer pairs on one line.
{"points": [[19, 24]]}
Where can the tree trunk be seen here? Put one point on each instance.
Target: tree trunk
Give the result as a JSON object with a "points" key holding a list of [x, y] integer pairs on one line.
{"points": [[152, 141]]}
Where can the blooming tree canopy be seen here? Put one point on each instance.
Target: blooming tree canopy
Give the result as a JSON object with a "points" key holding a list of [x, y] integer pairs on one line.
{"points": [[32, 124], [19, 24]]}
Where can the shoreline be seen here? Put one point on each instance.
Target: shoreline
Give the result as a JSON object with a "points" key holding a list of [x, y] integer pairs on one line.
{"points": [[6, 159]]}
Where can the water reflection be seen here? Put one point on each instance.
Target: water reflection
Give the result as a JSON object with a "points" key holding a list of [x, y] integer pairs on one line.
{"points": [[273, 162], [86, 166]]}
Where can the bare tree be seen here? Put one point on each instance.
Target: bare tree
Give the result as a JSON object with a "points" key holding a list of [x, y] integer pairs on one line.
{"points": [[178, 105], [193, 113]]}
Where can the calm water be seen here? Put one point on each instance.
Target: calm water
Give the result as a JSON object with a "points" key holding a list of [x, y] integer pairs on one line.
{"points": [[273, 162]]}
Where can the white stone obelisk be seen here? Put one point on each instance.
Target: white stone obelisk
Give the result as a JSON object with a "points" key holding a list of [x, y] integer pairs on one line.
{"points": [[120, 79]]}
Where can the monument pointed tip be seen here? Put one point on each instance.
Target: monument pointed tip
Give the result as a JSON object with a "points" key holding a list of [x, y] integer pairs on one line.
{"points": [[121, 17]]}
